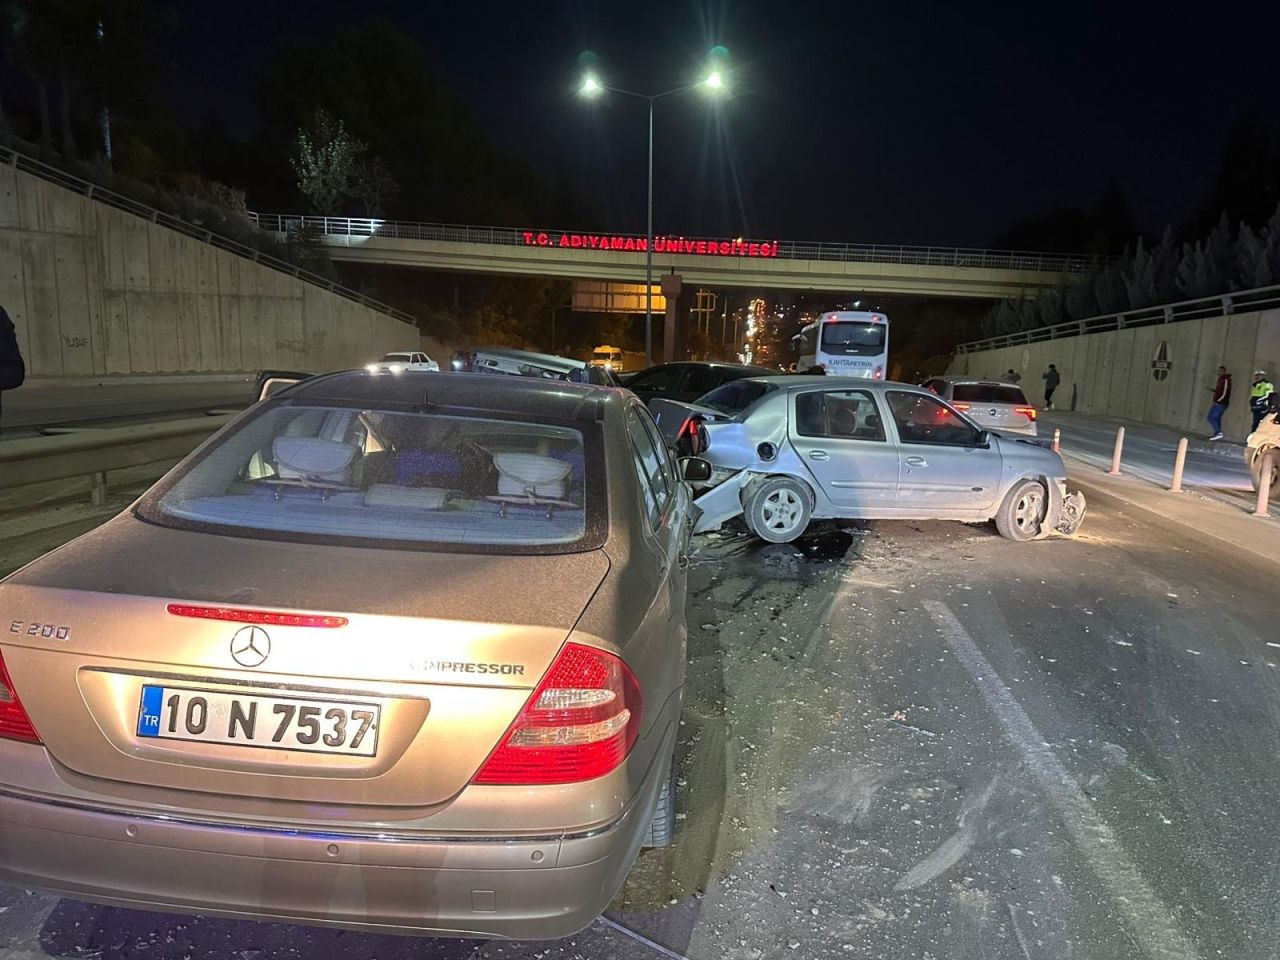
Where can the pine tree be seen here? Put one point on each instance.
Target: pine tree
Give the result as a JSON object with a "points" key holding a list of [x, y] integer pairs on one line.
{"points": [[1140, 279], [1251, 268]]}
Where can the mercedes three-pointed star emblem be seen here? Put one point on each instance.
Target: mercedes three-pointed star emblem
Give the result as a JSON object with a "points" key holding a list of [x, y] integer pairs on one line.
{"points": [[250, 646]]}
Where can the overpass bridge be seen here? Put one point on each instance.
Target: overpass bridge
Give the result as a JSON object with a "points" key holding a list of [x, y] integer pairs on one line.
{"points": [[707, 262]]}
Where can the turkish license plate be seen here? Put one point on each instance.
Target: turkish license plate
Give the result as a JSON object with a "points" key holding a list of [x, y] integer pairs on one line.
{"points": [[271, 722]]}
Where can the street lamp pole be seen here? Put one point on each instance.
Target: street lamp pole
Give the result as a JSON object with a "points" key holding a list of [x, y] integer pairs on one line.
{"points": [[592, 87], [648, 256]]}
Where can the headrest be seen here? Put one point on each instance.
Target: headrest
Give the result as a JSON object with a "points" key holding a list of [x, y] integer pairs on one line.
{"points": [[311, 458], [531, 468]]}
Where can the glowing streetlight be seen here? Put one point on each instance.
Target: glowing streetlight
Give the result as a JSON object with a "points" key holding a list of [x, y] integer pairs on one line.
{"points": [[591, 87]]}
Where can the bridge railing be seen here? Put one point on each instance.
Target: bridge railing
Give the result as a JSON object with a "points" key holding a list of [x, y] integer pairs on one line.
{"points": [[93, 191], [1259, 298], [787, 249]]}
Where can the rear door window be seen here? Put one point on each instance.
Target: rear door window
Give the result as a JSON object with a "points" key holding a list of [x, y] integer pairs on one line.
{"points": [[842, 414], [656, 485], [700, 380], [658, 379]]}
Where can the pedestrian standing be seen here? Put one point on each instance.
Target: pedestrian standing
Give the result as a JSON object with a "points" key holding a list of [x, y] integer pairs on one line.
{"points": [[1221, 398], [1012, 376], [1260, 396], [12, 370], [1051, 381]]}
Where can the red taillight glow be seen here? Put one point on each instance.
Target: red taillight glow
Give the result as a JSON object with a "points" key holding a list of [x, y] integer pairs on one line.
{"points": [[14, 722], [962, 407], [267, 617], [878, 373], [580, 723], [1028, 412]]}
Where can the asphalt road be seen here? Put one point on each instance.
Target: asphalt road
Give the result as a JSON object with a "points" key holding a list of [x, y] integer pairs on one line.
{"points": [[917, 740]]}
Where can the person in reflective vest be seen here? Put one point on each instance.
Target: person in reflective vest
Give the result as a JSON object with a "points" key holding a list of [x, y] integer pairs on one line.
{"points": [[1260, 396]]}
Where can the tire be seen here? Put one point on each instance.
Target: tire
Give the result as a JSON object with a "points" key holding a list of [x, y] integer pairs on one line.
{"points": [[778, 510], [1255, 468], [1023, 511], [662, 829]]}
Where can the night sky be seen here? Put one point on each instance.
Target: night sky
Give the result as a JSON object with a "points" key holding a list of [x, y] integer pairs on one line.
{"points": [[928, 123]]}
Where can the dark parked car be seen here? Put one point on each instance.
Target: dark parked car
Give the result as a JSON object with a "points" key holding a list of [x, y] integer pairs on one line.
{"points": [[687, 381]]}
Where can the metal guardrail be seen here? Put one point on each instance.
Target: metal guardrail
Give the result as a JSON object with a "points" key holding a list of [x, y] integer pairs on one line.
{"points": [[91, 451], [93, 191], [787, 249], [1259, 298]]}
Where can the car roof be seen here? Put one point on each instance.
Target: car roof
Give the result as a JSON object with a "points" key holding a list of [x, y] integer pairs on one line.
{"points": [[793, 381], [527, 396], [544, 359], [966, 381], [712, 364]]}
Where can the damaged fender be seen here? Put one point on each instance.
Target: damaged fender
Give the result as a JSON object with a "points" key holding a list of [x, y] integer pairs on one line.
{"points": [[1065, 512]]}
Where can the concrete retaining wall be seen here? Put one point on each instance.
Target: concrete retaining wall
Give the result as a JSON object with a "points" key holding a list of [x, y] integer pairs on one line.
{"points": [[97, 291], [1112, 373]]}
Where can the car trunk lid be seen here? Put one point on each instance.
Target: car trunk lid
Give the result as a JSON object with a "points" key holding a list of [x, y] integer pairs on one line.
{"points": [[443, 650]]}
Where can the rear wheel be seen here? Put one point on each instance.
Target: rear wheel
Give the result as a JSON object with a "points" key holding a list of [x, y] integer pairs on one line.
{"points": [[778, 510], [1255, 468], [662, 829], [1023, 511]]}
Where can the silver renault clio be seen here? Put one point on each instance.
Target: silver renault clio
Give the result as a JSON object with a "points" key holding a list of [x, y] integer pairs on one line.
{"points": [[401, 652], [785, 450]]}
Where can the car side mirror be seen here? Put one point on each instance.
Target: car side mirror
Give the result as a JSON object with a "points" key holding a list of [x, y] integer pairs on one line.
{"points": [[695, 469], [983, 439]]}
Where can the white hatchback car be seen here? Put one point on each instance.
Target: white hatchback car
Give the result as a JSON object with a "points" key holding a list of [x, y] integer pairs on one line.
{"points": [[991, 404], [405, 360]]}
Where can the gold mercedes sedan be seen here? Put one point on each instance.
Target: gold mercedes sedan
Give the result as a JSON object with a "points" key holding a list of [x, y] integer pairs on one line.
{"points": [[398, 652]]}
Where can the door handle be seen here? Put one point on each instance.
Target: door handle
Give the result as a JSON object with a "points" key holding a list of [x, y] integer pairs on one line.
{"points": [[818, 455], [917, 462]]}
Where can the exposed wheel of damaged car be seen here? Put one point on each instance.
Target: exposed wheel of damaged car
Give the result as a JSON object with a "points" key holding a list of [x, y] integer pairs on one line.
{"points": [[1022, 514], [778, 509], [415, 643]]}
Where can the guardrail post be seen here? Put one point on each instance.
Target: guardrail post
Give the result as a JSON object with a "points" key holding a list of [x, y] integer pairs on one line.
{"points": [[1264, 484], [1115, 454], [98, 489], [1179, 461], [1226, 304], [1057, 439]]}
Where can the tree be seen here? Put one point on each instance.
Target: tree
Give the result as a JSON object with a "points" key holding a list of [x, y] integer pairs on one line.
{"points": [[325, 161], [373, 185], [379, 81]]}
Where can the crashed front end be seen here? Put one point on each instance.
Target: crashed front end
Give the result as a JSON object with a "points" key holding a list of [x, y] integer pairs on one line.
{"points": [[1065, 511]]}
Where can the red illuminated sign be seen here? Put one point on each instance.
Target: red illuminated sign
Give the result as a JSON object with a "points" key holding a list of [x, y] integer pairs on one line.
{"points": [[613, 243]]}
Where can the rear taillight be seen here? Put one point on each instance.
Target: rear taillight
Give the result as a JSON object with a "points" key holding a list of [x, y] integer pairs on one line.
{"points": [[878, 373], [962, 407], [1028, 412], [580, 723], [14, 722]]}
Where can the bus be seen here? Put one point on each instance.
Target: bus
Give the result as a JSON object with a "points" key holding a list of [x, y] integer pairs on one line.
{"points": [[845, 343]]}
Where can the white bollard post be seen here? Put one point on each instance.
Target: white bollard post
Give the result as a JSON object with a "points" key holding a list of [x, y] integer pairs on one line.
{"points": [[1115, 454], [1057, 439], [1179, 462], [1264, 484]]}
